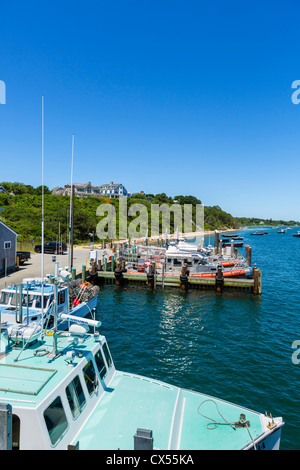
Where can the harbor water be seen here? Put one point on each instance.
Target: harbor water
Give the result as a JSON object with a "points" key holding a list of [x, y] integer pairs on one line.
{"points": [[233, 346]]}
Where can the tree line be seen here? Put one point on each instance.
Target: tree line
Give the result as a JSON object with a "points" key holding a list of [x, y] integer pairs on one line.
{"points": [[21, 210]]}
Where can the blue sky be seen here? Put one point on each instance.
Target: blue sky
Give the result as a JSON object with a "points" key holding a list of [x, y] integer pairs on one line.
{"points": [[181, 97]]}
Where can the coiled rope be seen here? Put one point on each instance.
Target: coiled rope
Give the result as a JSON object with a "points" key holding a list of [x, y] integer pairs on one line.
{"points": [[213, 424]]}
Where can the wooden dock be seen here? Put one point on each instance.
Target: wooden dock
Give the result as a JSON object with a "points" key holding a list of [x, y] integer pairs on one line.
{"points": [[252, 286]]}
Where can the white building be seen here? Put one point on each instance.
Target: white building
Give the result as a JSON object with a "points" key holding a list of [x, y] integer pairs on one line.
{"points": [[111, 190]]}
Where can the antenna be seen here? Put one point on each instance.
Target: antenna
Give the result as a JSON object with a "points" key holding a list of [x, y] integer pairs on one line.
{"points": [[71, 196], [43, 268]]}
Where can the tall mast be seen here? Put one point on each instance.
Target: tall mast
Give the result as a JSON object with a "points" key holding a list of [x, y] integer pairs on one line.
{"points": [[70, 218], [43, 268]]}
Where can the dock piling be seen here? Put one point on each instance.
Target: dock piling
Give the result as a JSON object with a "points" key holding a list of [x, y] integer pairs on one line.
{"points": [[184, 277], [219, 280], [83, 272]]}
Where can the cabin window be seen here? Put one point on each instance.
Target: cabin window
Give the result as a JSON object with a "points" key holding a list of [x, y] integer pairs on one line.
{"points": [[90, 377], [100, 364], [56, 421], [75, 396], [62, 297], [7, 245], [38, 303], [107, 355], [29, 299], [188, 262], [177, 262], [13, 299], [4, 298]]}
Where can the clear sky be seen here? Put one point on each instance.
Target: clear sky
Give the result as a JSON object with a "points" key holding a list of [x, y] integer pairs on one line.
{"points": [[182, 97]]}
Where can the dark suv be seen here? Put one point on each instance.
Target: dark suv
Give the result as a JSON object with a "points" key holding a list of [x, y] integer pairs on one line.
{"points": [[52, 247]]}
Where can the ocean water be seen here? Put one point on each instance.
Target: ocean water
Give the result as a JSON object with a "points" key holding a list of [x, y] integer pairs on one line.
{"points": [[232, 345]]}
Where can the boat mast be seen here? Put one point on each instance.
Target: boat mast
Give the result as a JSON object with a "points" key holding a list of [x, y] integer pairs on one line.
{"points": [[43, 267], [70, 261]]}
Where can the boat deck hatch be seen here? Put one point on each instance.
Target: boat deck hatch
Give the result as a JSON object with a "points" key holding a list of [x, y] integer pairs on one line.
{"points": [[24, 379]]}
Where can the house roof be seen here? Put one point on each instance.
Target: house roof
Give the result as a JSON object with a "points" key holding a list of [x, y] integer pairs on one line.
{"points": [[8, 228]]}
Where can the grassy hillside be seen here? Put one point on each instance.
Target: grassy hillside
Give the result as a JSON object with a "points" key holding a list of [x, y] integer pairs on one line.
{"points": [[22, 212]]}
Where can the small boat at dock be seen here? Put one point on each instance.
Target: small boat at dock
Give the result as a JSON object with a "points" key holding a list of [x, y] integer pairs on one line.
{"points": [[33, 302]]}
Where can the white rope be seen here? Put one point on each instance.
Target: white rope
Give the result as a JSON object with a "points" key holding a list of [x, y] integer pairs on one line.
{"points": [[214, 424]]}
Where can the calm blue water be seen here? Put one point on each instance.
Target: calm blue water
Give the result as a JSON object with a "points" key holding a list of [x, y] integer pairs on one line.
{"points": [[232, 346]]}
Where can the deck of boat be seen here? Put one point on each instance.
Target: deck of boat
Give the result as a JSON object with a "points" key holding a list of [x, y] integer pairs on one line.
{"points": [[133, 402]]}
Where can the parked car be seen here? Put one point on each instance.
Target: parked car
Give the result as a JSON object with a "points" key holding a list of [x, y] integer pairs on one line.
{"points": [[52, 247], [23, 256]]}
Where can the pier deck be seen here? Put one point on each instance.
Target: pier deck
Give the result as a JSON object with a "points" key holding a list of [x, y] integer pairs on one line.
{"points": [[251, 285]]}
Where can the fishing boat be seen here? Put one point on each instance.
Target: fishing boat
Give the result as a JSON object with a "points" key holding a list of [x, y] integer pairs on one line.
{"points": [[229, 235], [62, 391], [282, 230], [259, 233], [296, 234], [33, 301]]}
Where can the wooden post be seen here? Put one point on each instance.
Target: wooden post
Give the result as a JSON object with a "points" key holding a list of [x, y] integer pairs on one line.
{"points": [[150, 275], [249, 255], [118, 273], [73, 274], [93, 268], [184, 277], [216, 241], [163, 275], [257, 281], [219, 280]]}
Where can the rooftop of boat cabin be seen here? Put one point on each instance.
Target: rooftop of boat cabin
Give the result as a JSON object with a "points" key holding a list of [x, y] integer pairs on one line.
{"points": [[35, 288], [27, 377]]}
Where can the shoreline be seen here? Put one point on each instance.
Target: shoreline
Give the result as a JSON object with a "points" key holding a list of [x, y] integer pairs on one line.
{"points": [[160, 237]]}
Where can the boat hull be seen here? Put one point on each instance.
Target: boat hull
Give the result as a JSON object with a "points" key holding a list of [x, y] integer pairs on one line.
{"points": [[269, 442]]}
